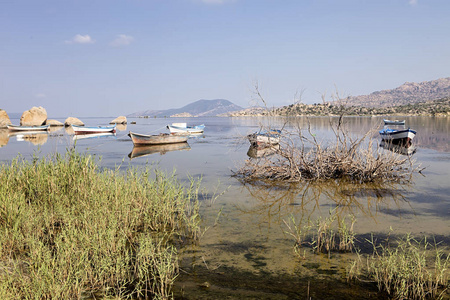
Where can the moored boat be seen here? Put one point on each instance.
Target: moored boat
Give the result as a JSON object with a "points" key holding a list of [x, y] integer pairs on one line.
{"points": [[28, 128], [394, 122], [397, 137], [183, 128], [265, 138], [157, 139], [93, 129]]}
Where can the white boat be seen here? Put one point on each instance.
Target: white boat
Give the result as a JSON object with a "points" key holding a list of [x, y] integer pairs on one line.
{"points": [[394, 122], [157, 139], [265, 138], [397, 137], [93, 129], [183, 128], [28, 128]]}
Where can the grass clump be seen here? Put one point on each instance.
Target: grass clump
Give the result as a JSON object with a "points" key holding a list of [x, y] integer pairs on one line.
{"points": [[409, 269], [324, 235], [70, 230]]}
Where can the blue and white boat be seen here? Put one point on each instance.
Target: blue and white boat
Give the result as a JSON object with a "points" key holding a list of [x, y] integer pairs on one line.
{"points": [[397, 136], [265, 138], [182, 128]]}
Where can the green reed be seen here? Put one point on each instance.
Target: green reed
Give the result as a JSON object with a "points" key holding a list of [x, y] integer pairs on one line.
{"points": [[69, 229], [409, 269], [326, 235]]}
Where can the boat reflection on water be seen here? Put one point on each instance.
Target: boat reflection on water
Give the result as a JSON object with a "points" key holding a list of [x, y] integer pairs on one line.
{"points": [[139, 151], [400, 149], [34, 137], [93, 135], [256, 152]]}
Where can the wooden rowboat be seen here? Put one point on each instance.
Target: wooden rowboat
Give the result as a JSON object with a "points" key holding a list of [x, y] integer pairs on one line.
{"points": [[28, 128], [158, 139], [93, 129]]}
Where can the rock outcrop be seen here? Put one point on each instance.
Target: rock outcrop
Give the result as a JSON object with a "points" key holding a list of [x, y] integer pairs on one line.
{"points": [[54, 123], [407, 93], [36, 116], [73, 121], [4, 119], [119, 120]]}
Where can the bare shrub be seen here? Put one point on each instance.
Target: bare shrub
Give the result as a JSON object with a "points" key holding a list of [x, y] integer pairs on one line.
{"points": [[302, 156]]}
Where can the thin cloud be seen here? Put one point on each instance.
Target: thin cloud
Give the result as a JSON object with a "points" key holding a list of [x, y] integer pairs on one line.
{"points": [[40, 96], [122, 40], [81, 39], [216, 1]]}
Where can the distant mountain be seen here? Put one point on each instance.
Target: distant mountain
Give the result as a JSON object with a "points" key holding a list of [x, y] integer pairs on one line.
{"points": [[200, 108], [407, 93]]}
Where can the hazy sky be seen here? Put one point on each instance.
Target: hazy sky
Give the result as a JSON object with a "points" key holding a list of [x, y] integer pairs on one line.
{"points": [[115, 57]]}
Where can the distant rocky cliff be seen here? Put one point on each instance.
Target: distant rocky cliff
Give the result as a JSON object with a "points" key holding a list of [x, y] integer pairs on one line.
{"points": [[200, 108], [407, 93]]}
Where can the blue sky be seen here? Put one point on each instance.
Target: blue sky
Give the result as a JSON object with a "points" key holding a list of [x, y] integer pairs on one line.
{"points": [[114, 57]]}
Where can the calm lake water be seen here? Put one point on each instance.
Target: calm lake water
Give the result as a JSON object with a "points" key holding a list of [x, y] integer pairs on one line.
{"points": [[246, 251]]}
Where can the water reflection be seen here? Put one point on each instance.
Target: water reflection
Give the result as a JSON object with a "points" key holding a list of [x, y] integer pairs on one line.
{"points": [[93, 136], [139, 151], [121, 127], [4, 137], [256, 152], [34, 137], [400, 149], [277, 203]]}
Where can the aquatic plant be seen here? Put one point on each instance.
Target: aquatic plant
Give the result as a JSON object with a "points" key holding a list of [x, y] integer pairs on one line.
{"points": [[323, 235], [70, 230], [406, 269]]}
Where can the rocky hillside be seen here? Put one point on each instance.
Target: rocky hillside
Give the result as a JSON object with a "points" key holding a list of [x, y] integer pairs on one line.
{"points": [[407, 93], [439, 107], [200, 108]]}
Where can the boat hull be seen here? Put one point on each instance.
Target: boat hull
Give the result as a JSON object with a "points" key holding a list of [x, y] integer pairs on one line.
{"points": [[91, 130], [394, 122], [180, 129], [28, 128], [160, 139], [397, 137], [265, 139]]}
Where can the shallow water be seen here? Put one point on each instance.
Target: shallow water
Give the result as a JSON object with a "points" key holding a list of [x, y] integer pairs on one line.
{"points": [[246, 251]]}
